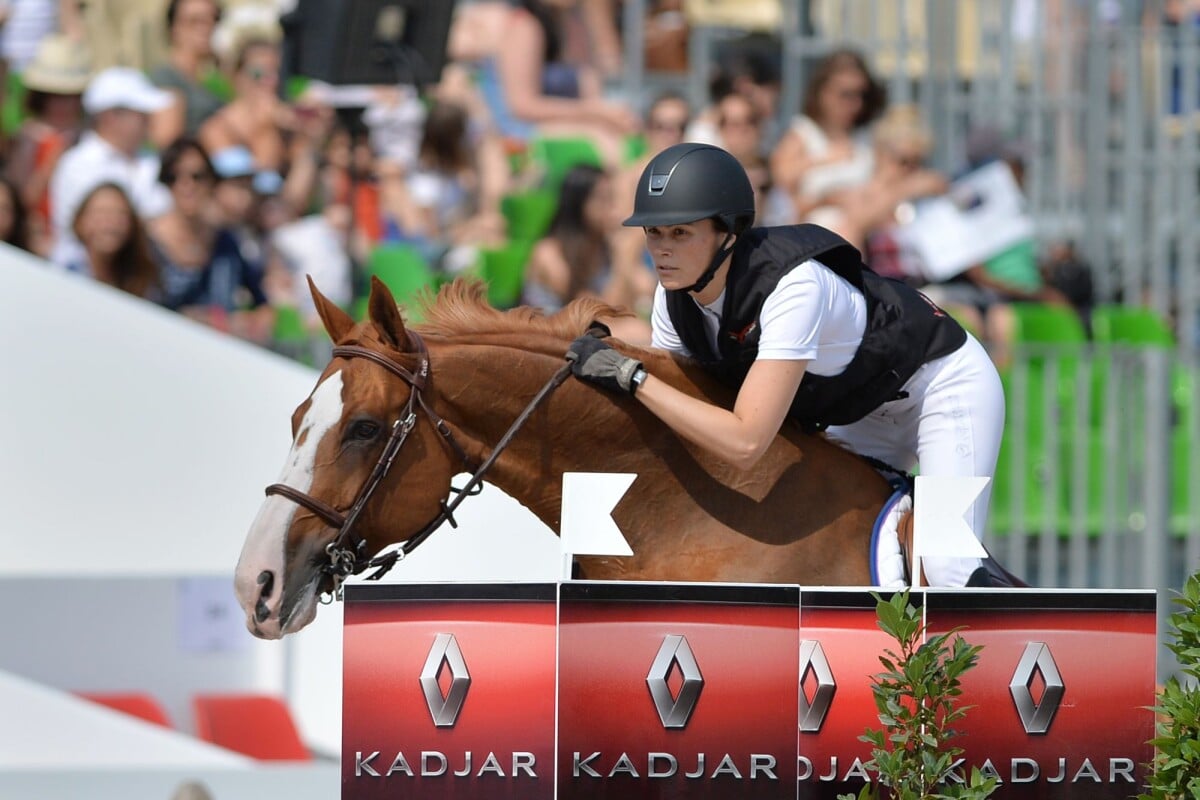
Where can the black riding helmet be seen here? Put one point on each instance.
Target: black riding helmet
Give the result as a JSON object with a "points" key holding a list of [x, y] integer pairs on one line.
{"points": [[689, 182]]}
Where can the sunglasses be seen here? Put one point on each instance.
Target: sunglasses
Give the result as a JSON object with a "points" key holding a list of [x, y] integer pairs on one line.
{"points": [[737, 122], [909, 160], [258, 74], [207, 20], [200, 176], [666, 127]]}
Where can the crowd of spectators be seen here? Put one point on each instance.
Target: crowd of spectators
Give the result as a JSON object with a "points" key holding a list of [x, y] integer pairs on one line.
{"points": [[206, 179]]}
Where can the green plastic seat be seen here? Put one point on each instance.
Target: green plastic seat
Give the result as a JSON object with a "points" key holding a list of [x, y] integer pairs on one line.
{"points": [[289, 325], [504, 270], [634, 147], [528, 214], [1050, 342], [1047, 324], [556, 155], [12, 112], [1124, 327], [290, 335], [1004, 515], [1185, 507], [1133, 326], [404, 270]]}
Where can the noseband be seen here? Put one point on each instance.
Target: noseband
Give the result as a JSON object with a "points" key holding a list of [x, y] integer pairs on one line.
{"points": [[347, 551]]}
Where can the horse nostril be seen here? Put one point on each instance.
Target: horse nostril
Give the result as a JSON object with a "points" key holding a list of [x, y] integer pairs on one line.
{"points": [[266, 579]]}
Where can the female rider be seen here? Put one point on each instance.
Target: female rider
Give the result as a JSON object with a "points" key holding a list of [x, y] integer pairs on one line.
{"points": [[792, 318]]}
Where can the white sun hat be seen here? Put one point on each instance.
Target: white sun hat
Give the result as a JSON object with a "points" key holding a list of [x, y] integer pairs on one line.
{"points": [[124, 87]]}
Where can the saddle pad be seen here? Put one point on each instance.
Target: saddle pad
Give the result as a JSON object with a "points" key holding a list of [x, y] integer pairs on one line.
{"points": [[887, 561]]}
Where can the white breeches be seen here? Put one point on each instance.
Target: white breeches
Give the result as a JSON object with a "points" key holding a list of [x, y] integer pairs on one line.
{"points": [[950, 424]]}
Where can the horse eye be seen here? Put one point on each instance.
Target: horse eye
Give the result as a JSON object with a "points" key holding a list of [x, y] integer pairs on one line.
{"points": [[364, 430]]}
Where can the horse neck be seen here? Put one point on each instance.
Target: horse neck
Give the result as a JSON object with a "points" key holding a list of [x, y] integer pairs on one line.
{"points": [[481, 389], [804, 504]]}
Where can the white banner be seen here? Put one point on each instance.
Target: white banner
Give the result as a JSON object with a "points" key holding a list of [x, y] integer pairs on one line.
{"points": [[982, 215]]}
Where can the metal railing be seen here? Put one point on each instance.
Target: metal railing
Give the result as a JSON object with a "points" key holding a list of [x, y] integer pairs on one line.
{"points": [[1100, 483]]}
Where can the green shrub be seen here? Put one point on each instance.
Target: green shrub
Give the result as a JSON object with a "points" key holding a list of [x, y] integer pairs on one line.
{"points": [[1175, 772], [916, 696]]}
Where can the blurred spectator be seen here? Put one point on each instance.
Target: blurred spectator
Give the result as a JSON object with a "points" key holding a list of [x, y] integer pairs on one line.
{"points": [[115, 250], [255, 117], [204, 273], [531, 90], [598, 18], [14, 224], [1180, 19], [666, 37], [284, 138], [314, 246], [54, 83], [347, 179], [119, 101], [574, 259], [666, 120], [740, 129], [395, 120], [125, 33], [238, 200], [1064, 269], [827, 148], [190, 26], [869, 211], [452, 207], [26, 22], [980, 297], [745, 70]]}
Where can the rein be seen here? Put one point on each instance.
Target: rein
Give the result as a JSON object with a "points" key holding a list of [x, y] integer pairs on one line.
{"points": [[347, 550]]}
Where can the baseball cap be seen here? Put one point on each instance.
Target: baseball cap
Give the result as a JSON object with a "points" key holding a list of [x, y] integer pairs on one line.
{"points": [[124, 87], [234, 161]]}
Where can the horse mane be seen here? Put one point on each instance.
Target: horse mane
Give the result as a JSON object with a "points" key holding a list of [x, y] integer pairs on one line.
{"points": [[460, 309]]}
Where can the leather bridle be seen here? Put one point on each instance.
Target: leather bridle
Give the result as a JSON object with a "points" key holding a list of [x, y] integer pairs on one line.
{"points": [[346, 552]]}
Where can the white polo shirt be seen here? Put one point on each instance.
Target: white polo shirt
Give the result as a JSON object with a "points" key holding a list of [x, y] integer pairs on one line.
{"points": [[813, 314], [85, 166]]}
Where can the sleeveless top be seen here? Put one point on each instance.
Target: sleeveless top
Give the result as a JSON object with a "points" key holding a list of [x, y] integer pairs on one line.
{"points": [[227, 281], [821, 180]]}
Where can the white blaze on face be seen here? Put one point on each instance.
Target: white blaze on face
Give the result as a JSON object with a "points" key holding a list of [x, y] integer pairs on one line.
{"points": [[266, 541]]}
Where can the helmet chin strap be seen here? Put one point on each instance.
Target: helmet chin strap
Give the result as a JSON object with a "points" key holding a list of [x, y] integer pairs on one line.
{"points": [[717, 260]]}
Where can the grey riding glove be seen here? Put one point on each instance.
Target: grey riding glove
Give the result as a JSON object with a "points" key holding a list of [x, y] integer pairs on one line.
{"points": [[595, 361]]}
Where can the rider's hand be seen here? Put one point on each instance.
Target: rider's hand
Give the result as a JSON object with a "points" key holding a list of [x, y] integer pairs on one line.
{"points": [[593, 360]]}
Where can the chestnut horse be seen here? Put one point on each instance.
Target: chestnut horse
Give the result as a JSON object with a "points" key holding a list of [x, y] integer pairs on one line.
{"points": [[448, 390]]}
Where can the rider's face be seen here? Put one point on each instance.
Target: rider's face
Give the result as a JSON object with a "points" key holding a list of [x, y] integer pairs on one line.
{"points": [[682, 252]]}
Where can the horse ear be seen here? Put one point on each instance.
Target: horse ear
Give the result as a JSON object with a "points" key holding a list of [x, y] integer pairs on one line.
{"points": [[386, 315], [337, 322]]}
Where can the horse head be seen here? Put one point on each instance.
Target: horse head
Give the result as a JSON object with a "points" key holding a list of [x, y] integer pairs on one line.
{"points": [[315, 527]]}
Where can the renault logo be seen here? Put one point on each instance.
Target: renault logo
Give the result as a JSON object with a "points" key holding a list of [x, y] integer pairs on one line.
{"points": [[1036, 716], [674, 711], [814, 662], [445, 655]]}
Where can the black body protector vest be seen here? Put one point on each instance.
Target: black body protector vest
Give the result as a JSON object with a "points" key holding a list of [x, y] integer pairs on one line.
{"points": [[904, 328]]}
